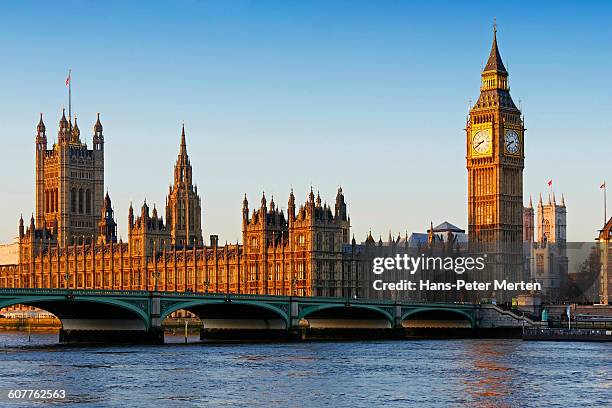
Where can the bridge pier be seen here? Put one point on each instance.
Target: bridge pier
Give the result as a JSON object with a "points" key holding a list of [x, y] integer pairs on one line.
{"points": [[295, 332]]}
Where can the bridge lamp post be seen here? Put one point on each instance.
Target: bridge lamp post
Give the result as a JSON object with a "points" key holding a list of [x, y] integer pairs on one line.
{"points": [[293, 284], [206, 285], [156, 275], [66, 279]]}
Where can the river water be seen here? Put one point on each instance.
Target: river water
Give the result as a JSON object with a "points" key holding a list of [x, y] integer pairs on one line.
{"points": [[428, 373]]}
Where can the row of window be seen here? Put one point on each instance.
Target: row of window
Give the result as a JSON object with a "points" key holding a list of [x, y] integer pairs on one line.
{"points": [[80, 201]]}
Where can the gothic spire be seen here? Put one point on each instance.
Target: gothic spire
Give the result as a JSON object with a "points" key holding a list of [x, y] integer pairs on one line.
{"points": [[63, 122], [291, 198], [495, 63], [183, 143], [41, 126], [272, 205], [76, 132], [98, 125]]}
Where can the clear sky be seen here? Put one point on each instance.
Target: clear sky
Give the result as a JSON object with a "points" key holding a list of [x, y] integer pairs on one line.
{"points": [[372, 95]]}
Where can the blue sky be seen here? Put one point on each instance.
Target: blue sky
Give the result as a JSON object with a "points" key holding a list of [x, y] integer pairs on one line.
{"points": [[280, 94]]}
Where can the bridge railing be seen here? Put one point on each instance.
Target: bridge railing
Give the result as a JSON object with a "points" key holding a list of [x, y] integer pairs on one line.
{"points": [[217, 295]]}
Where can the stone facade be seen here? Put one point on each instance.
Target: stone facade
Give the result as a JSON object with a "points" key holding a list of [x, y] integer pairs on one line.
{"points": [[72, 241], [69, 181], [605, 275], [546, 257], [495, 159]]}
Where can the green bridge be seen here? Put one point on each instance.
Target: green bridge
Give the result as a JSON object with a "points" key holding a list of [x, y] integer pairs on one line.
{"points": [[137, 316]]}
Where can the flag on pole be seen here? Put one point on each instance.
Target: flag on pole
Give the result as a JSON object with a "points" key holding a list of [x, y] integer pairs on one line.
{"points": [[550, 183], [603, 185], [68, 79]]}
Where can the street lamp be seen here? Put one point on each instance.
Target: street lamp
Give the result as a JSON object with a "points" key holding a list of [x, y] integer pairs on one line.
{"points": [[293, 284], [206, 285], [156, 275]]}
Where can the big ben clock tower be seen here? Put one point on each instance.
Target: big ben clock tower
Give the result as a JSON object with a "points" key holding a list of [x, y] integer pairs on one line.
{"points": [[495, 160]]}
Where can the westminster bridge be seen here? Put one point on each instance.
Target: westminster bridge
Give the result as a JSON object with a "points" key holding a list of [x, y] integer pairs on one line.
{"points": [[137, 316]]}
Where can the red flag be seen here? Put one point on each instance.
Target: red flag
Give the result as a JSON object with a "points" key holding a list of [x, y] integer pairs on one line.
{"points": [[68, 79], [603, 185], [550, 183]]}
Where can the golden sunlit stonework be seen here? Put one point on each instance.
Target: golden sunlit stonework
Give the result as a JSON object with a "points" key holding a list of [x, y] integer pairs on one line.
{"points": [[73, 243], [495, 159], [495, 155], [308, 251]]}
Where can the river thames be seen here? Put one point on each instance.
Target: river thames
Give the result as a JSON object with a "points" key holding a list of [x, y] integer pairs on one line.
{"points": [[428, 373]]}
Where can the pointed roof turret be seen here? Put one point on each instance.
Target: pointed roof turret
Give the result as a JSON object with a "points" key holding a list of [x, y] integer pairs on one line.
{"points": [[540, 200], [144, 210], [291, 198], [41, 126], [76, 132], [495, 63], [107, 207], [530, 202], [562, 200], [63, 123], [98, 125], [318, 199]]}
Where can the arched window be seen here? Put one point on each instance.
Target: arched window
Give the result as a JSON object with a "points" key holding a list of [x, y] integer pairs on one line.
{"points": [[88, 201], [81, 200], [73, 200], [546, 230]]}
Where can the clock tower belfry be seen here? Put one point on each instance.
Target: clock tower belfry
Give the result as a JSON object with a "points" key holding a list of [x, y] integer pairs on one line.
{"points": [[495, 160]]}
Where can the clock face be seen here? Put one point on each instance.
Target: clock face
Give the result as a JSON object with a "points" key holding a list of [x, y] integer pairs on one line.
{"points": [[512, 142], [481, 142]]}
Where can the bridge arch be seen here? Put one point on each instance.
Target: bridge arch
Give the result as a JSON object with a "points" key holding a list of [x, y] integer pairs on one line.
{"points": [[84, 308], [466, 315], [355, 312], [217, 309]]}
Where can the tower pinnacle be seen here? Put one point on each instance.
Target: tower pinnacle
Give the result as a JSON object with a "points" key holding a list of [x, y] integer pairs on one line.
{"points": [[495, 63], [183, 143]]}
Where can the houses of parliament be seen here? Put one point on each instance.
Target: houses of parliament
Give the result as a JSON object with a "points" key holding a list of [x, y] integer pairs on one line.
{"points": [[71, 240]]}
